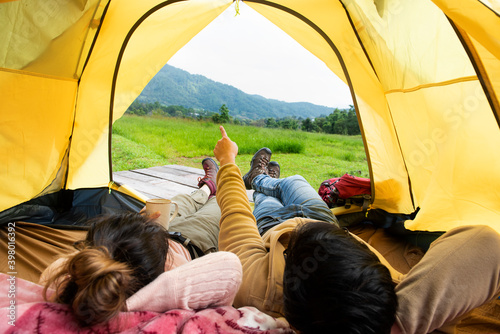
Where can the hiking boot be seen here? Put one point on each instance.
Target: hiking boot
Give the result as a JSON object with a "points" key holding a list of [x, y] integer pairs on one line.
{"points": [[258, 166], [210, 179], [273, 169]]}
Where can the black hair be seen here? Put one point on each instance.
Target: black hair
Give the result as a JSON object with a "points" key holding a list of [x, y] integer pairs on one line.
{"points": [[132, 239], [121, 254], [333, 283]]}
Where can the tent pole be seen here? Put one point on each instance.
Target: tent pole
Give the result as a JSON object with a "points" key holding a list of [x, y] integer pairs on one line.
{"points": [[117, 69], [481, 73]]}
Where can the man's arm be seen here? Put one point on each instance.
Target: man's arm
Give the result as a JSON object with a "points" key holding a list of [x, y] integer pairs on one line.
{"points": [[238, 228]]}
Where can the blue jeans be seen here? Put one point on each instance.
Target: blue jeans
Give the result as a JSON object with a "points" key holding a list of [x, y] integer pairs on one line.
{"points": [[277, 200]]}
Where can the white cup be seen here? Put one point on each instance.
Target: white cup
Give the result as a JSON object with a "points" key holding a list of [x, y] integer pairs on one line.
{"points": [[163, 206]]}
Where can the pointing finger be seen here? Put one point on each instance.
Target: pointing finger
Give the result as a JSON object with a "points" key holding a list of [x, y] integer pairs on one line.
{"points": [[223, 132]]}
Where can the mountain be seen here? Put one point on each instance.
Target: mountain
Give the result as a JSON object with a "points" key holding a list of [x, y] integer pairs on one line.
{"points": [[173, 86]]}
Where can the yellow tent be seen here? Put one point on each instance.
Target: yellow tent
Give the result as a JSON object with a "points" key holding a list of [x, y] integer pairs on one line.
{"points": [[424, 77]]}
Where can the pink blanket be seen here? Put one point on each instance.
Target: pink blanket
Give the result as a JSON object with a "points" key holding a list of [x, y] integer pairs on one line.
{"points": [[22, 309]]}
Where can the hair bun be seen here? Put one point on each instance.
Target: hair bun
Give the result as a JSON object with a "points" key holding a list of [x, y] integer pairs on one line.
{"points": [[101, 284]]}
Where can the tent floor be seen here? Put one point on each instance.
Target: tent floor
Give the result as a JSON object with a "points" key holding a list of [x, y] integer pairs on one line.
{"points": [[163, 181]]}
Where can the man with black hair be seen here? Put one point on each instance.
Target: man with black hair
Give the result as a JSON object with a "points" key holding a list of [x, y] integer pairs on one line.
{"points": [[323, 292], [298, 263]]}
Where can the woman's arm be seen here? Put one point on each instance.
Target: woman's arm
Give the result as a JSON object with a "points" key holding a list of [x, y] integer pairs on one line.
{"points": [[209, 281]]}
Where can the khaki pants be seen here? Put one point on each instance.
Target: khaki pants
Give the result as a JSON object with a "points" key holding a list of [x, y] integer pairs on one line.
{"points": [[459, 272], [198, 220]]}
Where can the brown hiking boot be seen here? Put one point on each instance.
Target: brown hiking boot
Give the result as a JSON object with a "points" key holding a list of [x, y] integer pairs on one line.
{"points": [[258, 166], [210, 179], [273, 169]]}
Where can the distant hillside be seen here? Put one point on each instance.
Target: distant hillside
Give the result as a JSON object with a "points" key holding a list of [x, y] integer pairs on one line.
{"points": [[173, 86]]}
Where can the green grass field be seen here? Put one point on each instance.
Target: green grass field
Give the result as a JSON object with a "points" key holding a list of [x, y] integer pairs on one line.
{"points": [[142, 142]]}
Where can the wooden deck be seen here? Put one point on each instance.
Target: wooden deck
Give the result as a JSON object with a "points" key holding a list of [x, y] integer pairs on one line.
{"points": [[163, 181]]}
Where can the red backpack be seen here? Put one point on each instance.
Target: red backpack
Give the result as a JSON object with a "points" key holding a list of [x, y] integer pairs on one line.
{"points": [[346, 190]]}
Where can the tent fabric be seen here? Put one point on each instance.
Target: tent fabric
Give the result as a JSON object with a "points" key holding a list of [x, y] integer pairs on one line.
{"points": [[417, 92], [53, 104], [424, 78], [37, 246], [73, 207]]}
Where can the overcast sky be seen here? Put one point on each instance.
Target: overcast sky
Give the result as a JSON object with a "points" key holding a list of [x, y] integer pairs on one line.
{"points": [[250, 53]]}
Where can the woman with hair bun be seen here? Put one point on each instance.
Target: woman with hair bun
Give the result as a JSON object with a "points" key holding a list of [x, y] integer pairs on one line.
{"points": [[122, 265], [128, 262]]}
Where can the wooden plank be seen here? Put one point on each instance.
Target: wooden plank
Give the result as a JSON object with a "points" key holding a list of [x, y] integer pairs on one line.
{"points": [[163, 181], [151, 187], [144, 188], [137, 176], [172, 174], [187, 169]]}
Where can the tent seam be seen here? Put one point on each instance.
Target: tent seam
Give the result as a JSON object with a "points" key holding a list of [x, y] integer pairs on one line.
{"points": [[34, 74], [490, 9], [436, 84], [390, 114], [103, 16]]}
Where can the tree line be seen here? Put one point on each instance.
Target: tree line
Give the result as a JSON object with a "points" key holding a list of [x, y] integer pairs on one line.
{"points": [[340, 121]]}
